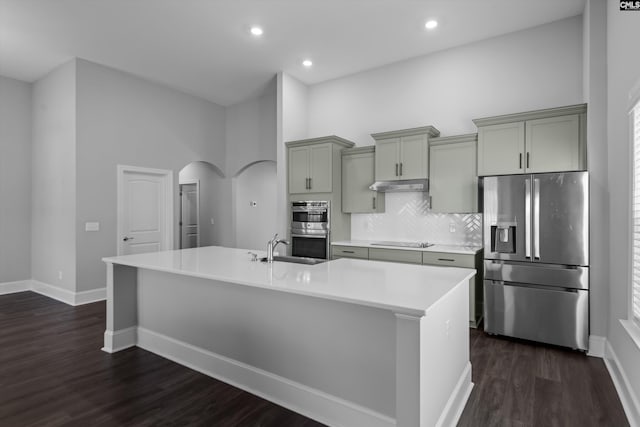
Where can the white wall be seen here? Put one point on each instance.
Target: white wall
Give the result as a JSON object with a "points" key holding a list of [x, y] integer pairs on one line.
{"points": [[535, 68], [123, 119], [53, 219], [15, 180], [213, 205], [255, 224], [623, 72]]}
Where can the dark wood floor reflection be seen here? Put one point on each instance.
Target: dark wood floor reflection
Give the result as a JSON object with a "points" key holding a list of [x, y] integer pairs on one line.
{"points": [[518, 383], [53, 373]]}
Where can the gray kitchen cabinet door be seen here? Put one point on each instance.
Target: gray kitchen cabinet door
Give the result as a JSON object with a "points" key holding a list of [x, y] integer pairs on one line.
{"points": [[387, 159], [357, 175], [501, 149], [553, 144], [414, 154], [298, 169], [320, 168], [453, 180]]}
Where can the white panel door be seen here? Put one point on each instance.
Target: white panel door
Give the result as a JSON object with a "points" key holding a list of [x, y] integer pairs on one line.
{"points": [[143, 212], [189, 236]]}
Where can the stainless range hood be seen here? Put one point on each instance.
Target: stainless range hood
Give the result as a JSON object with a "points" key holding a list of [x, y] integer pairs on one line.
{"points": [[401, 185]]}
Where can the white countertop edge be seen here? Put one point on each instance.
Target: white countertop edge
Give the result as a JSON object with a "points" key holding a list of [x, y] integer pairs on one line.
{"points": [[394, 308], [465, 250]]}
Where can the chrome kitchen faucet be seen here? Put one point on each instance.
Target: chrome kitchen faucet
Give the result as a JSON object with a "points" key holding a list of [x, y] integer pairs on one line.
{"points": [[271, 245]]}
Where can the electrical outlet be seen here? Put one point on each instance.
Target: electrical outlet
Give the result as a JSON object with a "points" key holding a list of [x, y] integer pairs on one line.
{"points": [[452, 228], [211, 221], [447, 327], [60, 275], [253, 203]]}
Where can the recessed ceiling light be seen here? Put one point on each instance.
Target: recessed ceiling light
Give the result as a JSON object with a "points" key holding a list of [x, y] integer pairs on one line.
{"points": [[256, 31], [307, 63], [431, 24]]}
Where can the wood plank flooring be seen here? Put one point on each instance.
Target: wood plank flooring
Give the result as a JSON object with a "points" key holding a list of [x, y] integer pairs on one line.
{"points": [[53, 373]]}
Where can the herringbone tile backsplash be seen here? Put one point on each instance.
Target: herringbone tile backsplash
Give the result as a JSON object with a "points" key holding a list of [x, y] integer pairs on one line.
{"points": [[407, 218]]}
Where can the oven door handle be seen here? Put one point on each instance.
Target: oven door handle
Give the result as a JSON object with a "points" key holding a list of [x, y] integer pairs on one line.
{"points": [[312, 236]]}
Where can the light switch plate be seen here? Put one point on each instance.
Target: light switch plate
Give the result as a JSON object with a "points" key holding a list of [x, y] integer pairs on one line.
{"points": [[91, 226]]}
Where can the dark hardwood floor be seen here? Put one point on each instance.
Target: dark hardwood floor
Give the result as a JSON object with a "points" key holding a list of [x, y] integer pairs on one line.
{"points": [[521, 384], [53, 373]]}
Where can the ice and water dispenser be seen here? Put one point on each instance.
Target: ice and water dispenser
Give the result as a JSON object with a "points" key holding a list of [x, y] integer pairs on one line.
{"points": [[503, 238]]}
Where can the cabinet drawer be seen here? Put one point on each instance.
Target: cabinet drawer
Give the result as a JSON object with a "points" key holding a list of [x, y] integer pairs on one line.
{"points": [[349, 252], [395, 255], [450, 259]]}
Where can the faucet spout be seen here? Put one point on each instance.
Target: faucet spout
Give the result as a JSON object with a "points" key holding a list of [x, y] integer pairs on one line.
{"points": [[271, 245]]}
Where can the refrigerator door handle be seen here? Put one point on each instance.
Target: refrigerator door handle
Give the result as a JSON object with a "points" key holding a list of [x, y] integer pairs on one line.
{"points": [[527, 218], [536, 218]]}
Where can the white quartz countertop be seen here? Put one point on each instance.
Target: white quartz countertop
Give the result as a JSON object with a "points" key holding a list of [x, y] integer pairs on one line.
{"points": [[453, 249], [402, 288]]}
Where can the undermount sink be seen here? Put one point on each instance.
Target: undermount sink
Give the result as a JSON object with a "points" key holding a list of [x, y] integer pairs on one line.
{"points": [[295, 259]]}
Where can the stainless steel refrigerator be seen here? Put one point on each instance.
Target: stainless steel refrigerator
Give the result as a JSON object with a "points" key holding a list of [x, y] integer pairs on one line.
{"points": [[536, 250]]}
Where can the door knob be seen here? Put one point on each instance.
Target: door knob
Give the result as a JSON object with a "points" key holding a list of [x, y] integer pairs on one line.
{"points": [[127, 238]]}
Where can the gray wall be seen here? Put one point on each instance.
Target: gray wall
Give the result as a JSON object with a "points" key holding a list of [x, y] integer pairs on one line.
{"points": [[123, 119], [595, 95], [53, 243], [623, 72], [251, 131], [15, 180], [526, 70]]}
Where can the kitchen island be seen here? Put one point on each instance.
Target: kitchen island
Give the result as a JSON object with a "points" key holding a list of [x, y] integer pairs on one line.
{"points": [[346, 342]]}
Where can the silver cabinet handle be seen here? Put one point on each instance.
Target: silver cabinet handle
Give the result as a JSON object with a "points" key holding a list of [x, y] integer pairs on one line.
{"points": [[527, 160], [446, 259], [396, 169], [348, 252], [520, 161], [374, 203], [310, 184], [536, 218], [400, 169], [126, 239], [527, 218]]}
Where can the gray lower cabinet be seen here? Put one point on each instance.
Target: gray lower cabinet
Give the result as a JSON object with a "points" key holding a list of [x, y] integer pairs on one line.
{"points": [[446, 259], [395, 255], [349, 252], [357, 175], [476, 293]]}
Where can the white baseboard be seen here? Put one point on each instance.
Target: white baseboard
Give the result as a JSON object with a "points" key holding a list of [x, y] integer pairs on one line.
{"points": [[312, 403], [119, 340], [623, 387], [13, 287], [596, 346], [458, 399], [66, 296]]}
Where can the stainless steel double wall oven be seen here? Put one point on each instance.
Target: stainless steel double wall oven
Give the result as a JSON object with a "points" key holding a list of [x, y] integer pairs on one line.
{"points": [[310, 229]]}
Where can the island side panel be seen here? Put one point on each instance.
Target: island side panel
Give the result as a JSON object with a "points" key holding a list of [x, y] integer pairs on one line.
{"points": [[432, 362], [122, 308], [235, 332]]}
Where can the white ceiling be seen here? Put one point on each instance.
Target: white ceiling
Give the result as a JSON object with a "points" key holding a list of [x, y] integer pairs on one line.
{"points": [[203, 47]]}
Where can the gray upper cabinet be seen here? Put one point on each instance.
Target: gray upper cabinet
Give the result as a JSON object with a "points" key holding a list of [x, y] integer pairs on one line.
{"points": [[453, 179], [311, 164], [357, 175], [551, 140], [403, 154]]}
